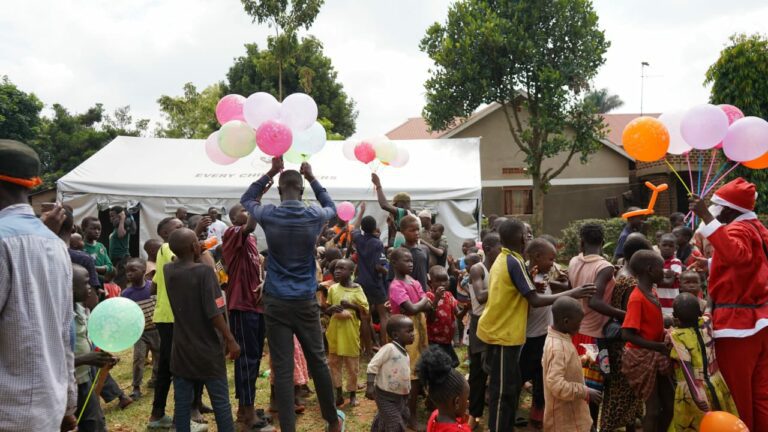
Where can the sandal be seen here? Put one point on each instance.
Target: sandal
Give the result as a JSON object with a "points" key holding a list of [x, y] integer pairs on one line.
{"points": [[342, 419]]}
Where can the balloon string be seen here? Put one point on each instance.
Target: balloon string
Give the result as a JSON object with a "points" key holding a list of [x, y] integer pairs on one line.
{"points": [[678, 176], [690, 172], [712, 186], [93, 384], [698, 181], [711, 164]]}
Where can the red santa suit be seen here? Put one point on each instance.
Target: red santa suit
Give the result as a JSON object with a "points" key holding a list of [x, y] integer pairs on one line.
{"points": [[738, 287]]}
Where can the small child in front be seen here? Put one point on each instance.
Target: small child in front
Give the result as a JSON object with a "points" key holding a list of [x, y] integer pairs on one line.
{"points": [[389, 377], [407, 297], [197, 353], [441, 322], [347, 303], [447, 389], [645, 362], [690, 282], [669, 287], [140, 291], [700, 385], [566, 396]]}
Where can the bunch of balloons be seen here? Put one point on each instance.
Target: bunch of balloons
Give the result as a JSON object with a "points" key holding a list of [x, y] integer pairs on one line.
{"points": [[288, 129], [378, 148], [742, 139]]}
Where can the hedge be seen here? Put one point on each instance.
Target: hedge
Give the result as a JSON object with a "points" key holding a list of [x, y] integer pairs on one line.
{"points": [[613, 227]]}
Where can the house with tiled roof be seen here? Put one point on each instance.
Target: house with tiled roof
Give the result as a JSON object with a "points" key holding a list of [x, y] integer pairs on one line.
{"points": [[591, 190]]}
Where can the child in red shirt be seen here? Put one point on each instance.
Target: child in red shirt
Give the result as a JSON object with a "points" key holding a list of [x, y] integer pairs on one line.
{"points": [[441, 322], [645, 363], [447, 389]]}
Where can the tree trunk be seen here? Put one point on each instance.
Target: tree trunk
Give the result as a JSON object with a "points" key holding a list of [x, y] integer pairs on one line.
{"points": [[537, 221]]}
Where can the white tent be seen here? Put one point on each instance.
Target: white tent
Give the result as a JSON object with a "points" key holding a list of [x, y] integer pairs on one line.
{"points": [[163, 174]]}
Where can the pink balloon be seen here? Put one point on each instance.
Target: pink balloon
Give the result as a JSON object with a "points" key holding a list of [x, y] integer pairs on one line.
{"points": [[274, 138], [214, 152], [364, 152], [747, 139], [733, 114], [345, 211], [230, 107], [703, 126]]}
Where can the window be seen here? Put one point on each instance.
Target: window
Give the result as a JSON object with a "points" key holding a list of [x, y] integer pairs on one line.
{"points": [[518, 201]]}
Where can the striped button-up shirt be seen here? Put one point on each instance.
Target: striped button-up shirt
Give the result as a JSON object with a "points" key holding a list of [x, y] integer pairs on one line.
{"points": [[36, 358]]}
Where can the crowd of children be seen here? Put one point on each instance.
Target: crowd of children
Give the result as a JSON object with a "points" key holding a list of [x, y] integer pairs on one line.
{"points": [[604, 346]]}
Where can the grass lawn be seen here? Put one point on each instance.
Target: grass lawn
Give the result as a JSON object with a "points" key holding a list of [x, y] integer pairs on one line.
{"points": [[134, 418]]}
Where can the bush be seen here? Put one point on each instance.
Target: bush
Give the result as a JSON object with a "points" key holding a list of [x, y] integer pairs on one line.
{"points": [[612, 227]]}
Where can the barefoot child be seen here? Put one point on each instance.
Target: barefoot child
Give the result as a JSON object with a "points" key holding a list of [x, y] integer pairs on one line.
{"points": [[700, 386], [407, 297], [566, 396], [441, 322], [197, 356], [389, 377], [140, 291], [645, 362], [447, 389], [347, 303]]}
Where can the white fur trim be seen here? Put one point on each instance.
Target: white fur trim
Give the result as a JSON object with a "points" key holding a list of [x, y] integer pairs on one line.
{"points": [[719, 200], [742, 333]]}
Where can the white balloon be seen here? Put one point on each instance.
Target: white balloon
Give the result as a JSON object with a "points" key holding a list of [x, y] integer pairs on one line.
{"points": [[402, 158], [260, 107], [349, 150], [677, 144], [298, 112], [310, 141]]}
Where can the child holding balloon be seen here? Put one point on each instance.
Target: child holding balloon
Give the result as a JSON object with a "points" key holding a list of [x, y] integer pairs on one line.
{"points": [[700, 385]]}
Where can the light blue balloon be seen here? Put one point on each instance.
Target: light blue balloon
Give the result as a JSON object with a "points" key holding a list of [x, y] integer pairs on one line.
{"points": [[116, 324]]}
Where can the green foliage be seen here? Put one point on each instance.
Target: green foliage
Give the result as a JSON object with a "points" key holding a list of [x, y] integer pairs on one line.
{"points": [[192, 115], [19, 112], [603, 100], [528, 54], [66, 140], [284, 15], [308, 71], [738, 78], [612, 228]]}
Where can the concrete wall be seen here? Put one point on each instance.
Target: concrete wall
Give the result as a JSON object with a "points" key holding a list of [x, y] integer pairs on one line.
{"points": [[563, 203]]}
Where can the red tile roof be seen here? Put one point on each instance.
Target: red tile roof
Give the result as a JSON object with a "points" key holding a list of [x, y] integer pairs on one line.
{"points": [[617, 122], [413, 128]]}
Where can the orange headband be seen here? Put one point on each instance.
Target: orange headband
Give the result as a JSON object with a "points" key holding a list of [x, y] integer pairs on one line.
{"points": [[27, 183]]}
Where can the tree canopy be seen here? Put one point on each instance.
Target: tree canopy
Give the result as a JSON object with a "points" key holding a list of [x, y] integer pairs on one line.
{"points": [[191, 115], [308, 71], [528, 54], [738, 78], [19, 112], [604, 101]]}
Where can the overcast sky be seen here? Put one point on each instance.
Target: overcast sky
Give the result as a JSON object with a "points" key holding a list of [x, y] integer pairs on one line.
{"points": [[79, 52]]}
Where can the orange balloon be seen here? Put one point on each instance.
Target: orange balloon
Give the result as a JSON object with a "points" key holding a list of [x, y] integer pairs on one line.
{"points": [[645, 139], [759, 163], [721, 421]]}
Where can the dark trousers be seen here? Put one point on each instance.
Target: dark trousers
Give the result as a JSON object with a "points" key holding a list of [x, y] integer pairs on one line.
{"points": [[478, 378], [163, 383], [283, 319], [184, 391], [504, 386], [248, 330], [149, 342], [93, 417], [111, 389], [531, 369]]}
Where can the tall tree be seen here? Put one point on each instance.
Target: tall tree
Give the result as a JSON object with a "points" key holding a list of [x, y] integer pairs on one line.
{"points": [[65, 140], [191, 115], [19, 112], [308, 71], [738, 78], [523, 54], [286, 17], [604, 100]]}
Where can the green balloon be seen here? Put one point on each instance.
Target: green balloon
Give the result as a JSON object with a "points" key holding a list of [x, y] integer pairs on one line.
{"points": [[116, 324], [295, 157]]}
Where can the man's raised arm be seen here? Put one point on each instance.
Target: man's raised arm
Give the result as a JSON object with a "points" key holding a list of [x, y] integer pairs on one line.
{"points": [[322, 195], [251, 199]]}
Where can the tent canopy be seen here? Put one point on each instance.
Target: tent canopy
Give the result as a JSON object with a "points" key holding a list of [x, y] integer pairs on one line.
{"points": [[162, 174]]}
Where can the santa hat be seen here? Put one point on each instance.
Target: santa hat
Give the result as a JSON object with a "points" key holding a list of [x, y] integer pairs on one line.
{"points": [[738, 194]]}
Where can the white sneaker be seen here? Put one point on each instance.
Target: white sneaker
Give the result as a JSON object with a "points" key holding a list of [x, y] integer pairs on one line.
{"points": [[198, 427]]}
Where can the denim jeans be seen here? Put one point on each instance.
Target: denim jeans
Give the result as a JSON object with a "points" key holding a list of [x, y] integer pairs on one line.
{"points": [[218, 390]]}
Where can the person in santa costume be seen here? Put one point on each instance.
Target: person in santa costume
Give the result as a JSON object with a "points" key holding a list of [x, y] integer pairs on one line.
{"points": [[738, 288]]}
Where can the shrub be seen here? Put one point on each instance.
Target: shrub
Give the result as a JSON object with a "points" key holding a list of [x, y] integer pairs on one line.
{"points": [[612, 227]]}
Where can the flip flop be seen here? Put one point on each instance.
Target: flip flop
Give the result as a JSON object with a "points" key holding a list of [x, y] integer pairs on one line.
{"points": [[342, 418]]}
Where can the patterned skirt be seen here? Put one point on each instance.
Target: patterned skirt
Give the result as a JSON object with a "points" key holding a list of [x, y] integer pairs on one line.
{"points": [[392, 414]]}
